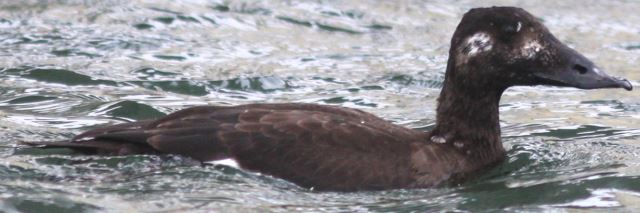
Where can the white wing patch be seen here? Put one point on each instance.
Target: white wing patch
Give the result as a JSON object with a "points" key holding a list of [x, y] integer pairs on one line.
{"points": [[230, 162]]}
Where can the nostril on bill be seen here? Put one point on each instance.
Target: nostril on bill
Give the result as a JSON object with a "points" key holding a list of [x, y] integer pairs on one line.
{"points": [[581, 69]]}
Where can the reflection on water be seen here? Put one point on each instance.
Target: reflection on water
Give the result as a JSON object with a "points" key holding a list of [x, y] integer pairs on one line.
{"points": [[70, 65]]}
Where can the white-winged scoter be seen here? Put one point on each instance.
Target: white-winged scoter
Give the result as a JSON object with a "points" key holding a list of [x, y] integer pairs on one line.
{"points": [[343, 149]]}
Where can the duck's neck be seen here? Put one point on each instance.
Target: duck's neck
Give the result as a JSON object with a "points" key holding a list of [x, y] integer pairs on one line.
{"points": [[467, 118]]}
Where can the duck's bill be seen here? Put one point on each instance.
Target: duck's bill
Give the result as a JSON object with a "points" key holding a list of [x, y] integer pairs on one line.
{"points": [[577, 71], [592, 78]]}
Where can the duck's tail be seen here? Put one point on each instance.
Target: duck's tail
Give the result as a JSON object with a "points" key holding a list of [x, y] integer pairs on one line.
{"points": [[120, 139]]}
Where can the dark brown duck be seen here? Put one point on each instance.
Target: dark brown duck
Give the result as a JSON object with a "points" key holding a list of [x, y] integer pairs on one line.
{"points": [[342, 149]]}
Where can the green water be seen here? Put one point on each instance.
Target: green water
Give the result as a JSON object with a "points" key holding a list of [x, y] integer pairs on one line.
{"points": [[67, 66]]}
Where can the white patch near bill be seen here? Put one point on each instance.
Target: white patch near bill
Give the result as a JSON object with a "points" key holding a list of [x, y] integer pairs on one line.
{"points": [[458, 144], [518, 27], [230, 162], [530, 49], [477, 43], [438, 139]]}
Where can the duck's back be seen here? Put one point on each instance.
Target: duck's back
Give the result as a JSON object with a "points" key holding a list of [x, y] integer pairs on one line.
{"points": [[325, 147]]}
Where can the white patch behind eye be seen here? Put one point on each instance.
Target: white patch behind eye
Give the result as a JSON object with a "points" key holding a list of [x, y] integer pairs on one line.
{"points": [[530, 49], [477, 43]]}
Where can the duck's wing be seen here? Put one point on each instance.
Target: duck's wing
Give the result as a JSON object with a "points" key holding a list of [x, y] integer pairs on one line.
{"points": [[325, 147]]}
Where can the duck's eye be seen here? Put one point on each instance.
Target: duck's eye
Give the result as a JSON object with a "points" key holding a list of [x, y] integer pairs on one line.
{"points": [[512, 28]]}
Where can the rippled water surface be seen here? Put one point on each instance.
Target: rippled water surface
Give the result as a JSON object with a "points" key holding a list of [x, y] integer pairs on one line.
{"points": [[67, 66]]}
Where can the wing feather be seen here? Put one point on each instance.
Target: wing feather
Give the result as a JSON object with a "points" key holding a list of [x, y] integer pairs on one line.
{"points": [[325, 147]]}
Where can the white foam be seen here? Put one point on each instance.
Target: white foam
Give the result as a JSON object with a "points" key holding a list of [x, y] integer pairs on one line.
{"points": [[605, 198]]}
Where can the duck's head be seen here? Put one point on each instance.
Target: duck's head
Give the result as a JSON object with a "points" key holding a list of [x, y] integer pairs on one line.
{"points": [[506, 46]]}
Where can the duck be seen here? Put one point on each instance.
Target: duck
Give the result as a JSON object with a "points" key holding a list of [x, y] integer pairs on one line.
{"points": [[333, 148]]}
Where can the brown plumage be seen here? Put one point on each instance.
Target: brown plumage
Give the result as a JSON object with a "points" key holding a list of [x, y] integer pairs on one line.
{"points": [[336, 148]]}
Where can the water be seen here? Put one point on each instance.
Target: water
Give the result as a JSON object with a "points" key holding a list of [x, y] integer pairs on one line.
{"points": [[67, 66]]}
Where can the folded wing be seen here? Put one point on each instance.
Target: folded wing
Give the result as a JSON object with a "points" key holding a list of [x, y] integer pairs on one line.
{"points": [[325, 147]]}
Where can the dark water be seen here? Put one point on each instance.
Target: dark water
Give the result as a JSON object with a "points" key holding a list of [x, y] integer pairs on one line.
{"points": [[67, 66]]}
